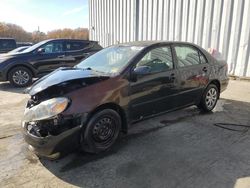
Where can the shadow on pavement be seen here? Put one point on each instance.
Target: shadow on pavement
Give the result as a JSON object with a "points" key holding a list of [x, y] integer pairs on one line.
{"points": [[178, 149], [6, 86]]}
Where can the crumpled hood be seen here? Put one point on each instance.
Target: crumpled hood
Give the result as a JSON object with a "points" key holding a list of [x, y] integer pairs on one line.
{"points": [[62, 75]]}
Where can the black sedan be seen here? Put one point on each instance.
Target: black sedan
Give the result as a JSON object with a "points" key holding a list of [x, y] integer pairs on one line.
{"points": [[44, 57], [89, 105]]}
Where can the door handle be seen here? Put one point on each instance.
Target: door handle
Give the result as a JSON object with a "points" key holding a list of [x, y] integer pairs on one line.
{"points": [[61, 56], [204, 69]]}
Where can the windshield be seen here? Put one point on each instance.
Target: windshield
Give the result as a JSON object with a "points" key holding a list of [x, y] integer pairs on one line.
{"points": [[110, 60], [35, 46]]}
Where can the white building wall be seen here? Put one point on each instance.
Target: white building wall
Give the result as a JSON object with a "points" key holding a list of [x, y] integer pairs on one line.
{"points": [[220, 24]]}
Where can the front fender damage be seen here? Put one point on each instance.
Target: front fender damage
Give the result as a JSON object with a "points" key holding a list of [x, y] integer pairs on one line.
{"points": [[52, 137]]}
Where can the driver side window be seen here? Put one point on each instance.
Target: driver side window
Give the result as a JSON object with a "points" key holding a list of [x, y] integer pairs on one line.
{"points": [[158, 60], [53, 47]]}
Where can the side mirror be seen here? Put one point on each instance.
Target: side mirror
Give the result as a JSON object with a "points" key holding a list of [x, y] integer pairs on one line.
{"points": [[41, 51], [142, 70], [139, 71]]}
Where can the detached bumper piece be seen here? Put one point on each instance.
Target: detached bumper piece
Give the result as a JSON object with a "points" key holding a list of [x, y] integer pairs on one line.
{"points": [[51, 138]]}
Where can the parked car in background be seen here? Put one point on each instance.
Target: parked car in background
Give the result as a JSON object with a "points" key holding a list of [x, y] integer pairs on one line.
{"points": [[7, 44], [43, 58], [89, 105], [20, 44]]}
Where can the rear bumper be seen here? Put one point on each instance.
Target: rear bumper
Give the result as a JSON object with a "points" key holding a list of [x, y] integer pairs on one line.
{"points": [[52, 146], [224, 84]]}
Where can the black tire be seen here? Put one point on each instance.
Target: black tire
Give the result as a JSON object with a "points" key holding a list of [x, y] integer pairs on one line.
{"points": [[101, 131], [209, 98], [20, 76]]}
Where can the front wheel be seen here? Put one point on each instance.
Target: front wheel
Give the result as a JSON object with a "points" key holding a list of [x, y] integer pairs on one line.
{"points": [[20, 77], [101, 131], [209, 98]]}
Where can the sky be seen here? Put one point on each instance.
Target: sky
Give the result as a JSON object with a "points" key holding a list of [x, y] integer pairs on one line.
{"points": [[47, 14]]}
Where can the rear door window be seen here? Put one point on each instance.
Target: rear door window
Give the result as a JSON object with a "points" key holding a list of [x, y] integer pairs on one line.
{"points": [[202, 58], [188, 56], [73, 46]]}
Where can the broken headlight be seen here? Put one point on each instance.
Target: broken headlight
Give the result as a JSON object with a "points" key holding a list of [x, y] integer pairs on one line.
{"points": [[46, 109]]}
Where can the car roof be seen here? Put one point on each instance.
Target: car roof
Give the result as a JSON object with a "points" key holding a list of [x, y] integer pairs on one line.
{"points": [[65, 39], [150, 43], [6, 38], [24, 42]]}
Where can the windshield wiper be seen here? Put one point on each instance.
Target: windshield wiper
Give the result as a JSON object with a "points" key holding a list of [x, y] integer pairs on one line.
{"points": [[89, 68]]}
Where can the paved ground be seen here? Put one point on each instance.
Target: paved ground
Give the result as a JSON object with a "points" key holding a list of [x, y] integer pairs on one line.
{"points": [[179, 149]]}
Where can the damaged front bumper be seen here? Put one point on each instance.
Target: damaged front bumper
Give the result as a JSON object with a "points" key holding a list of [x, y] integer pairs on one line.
{"points": [[52, 138]]}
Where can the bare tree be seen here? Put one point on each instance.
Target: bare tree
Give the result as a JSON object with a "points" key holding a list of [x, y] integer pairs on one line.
{"points": [[17, 32], [79, 33], [14, 31]]}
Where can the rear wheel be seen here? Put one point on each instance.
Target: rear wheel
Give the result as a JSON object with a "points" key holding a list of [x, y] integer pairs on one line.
{"points": [[101, 131], [20, 77], [209, 98]]}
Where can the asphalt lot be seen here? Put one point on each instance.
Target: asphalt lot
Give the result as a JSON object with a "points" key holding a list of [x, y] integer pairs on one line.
{"points": [[179, 149]]}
